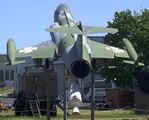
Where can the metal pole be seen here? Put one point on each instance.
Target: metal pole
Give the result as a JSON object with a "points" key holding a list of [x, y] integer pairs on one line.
{"points": [[92, 93], [48, 98], [65, 96], [93, 62], [65, 104], [133, 85]]}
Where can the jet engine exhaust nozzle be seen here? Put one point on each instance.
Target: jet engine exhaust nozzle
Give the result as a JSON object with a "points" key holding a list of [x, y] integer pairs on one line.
{"points": [[80, 68]]}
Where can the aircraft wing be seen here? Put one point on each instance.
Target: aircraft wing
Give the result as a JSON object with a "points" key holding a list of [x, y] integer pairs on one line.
{"points": [[43, 50], [100, 50]]}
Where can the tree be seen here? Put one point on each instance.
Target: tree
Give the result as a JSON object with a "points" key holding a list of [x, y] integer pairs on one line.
{"points": [[135, 27]]}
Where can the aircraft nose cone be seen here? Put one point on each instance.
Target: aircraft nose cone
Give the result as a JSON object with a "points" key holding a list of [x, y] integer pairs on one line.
{"points": [[59, 13], [63, 7]]}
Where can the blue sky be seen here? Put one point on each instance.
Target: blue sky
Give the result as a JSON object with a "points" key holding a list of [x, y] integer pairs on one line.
{"points": [[25, 20]]}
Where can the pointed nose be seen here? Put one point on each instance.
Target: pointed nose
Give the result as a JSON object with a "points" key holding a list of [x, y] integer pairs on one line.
{"points": [[59, 14], [63, 7]]}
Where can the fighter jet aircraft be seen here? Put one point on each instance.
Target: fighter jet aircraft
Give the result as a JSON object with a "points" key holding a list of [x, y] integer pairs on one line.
{"points": [[71, 44]]}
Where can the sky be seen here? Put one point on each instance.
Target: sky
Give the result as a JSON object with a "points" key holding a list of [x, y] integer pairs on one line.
{"points": [[25, 20]]}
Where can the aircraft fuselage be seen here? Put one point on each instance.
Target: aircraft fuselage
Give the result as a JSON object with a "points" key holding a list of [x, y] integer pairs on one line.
{"points": [[72, 48]]}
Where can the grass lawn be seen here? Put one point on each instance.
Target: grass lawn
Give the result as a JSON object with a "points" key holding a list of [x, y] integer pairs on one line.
{"points": [[6, 90], [85, 115]]}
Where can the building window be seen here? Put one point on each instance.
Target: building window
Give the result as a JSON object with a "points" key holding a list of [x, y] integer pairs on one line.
{"points": [[7, 75], [1, 75], [12, 75]]}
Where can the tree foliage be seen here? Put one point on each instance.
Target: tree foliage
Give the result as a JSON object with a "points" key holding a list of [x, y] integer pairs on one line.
{"points": [[135, 27]]}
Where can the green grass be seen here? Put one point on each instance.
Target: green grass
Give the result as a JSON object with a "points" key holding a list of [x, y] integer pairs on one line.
{"points": [[85, 115], [6, 90]]}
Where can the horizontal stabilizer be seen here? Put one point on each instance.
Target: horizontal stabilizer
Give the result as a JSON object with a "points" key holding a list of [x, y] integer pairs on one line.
{"points": [[132, 63], [93, 30], [66, 29], [87, 30]]}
